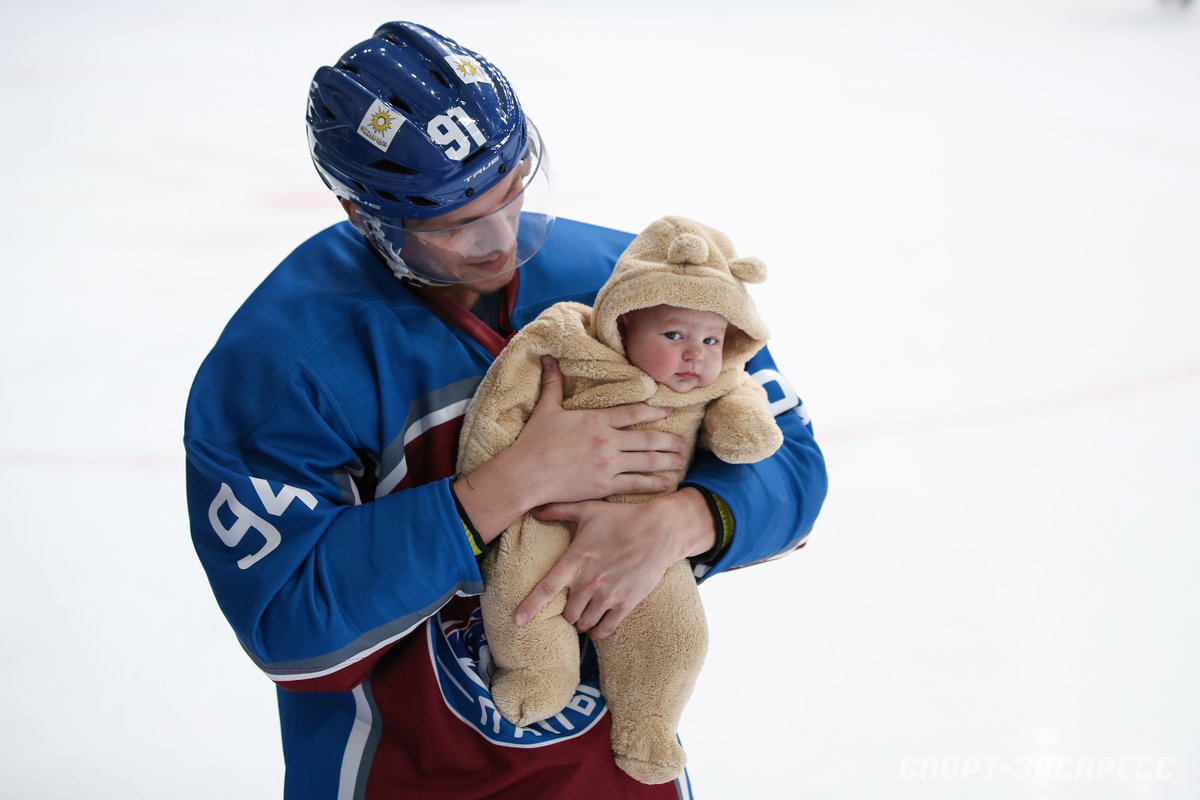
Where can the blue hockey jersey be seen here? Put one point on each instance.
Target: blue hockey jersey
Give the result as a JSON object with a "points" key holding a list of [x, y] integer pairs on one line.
{"points": [[321, 434]]}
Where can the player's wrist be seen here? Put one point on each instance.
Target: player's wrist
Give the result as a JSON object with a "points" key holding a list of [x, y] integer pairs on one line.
{"points": [[698, 532], [492, 496], [516, 475], [723, 523]]}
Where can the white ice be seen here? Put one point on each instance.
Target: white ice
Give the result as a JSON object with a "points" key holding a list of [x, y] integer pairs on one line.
{"points": [[982, 221]]}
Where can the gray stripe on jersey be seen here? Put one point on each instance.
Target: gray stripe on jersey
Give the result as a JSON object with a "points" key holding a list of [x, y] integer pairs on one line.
{"points": [[421, 408], [363, 646]]}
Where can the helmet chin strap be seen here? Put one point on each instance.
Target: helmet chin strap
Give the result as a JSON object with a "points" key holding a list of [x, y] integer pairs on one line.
{"points": [[389, 252], [392, 258]]}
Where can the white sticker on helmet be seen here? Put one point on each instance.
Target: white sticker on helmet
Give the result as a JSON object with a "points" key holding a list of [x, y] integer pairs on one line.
{"points": [[468, 69], [379, 125]]}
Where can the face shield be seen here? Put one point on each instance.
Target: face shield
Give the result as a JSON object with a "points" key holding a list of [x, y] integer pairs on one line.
{"points": [[490, 236]]}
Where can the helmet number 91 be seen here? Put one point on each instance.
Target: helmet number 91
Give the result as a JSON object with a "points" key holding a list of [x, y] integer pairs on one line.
{"points": [[448, 130]]}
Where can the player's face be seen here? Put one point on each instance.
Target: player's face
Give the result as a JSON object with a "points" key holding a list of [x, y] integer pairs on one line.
{"points": [[679, 347], [475, 245]]}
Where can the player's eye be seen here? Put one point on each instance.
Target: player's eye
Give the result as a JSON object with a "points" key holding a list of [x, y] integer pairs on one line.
{"points": [[515, 189]]}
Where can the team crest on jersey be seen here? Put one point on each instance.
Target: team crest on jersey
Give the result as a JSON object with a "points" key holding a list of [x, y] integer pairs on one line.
{"points": [[463, 664]]}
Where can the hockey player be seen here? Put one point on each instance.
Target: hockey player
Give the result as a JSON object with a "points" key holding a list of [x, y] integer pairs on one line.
{"points": [[321, 437]]}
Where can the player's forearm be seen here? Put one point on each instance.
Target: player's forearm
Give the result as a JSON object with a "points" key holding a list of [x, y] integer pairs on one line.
{"points": [[495, 494], [773, 502], [311, 587]]}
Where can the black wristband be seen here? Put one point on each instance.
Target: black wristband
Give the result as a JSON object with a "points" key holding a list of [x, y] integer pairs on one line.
{"points": [[478, 546], [724, 530]]}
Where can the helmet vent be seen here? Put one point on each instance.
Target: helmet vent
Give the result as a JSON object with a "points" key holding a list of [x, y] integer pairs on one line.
{"points": [[437, 76], [346, 66], [391, 166], [420, 201], [474, 156], [400, 105]]}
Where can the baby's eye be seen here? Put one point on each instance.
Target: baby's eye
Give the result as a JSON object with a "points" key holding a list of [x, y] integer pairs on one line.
{"points": [[712, 340], [673, 335]]}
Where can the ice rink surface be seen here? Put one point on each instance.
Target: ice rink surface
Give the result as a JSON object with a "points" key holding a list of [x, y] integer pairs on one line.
{"points": [[982, 221]]}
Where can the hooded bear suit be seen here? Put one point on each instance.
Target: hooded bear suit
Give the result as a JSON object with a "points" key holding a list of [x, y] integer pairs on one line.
{"points": [[649, 665]]}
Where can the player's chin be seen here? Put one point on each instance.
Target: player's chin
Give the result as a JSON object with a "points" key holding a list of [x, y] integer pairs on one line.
{"points": [[492, 284]]}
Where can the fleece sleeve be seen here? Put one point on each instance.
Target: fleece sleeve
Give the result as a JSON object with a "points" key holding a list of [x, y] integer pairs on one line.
{"points": [[774, 502]]}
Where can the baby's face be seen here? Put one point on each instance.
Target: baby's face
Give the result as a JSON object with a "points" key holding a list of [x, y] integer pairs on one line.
{"points": [[678, 347]]}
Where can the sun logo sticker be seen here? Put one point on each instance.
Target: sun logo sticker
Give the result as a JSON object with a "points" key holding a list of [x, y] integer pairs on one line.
{"points": [[380, 124], [468, 69]]}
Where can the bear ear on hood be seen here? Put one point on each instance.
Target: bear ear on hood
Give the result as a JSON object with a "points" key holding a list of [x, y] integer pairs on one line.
{"points": [[687, 248], [748, 269]]}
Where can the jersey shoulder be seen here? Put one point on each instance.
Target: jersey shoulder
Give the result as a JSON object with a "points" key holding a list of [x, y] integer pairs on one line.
{"points": [[571, 266], [329, 289]]}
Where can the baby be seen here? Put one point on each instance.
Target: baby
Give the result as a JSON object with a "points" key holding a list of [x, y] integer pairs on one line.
{"points": [[678, 347], [674, 326]]}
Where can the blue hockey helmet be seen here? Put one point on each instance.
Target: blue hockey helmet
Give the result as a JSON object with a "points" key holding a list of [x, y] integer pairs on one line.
{"points": [[409, 127]]}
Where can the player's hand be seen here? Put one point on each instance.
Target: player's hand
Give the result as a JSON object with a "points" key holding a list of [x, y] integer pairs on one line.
{"points": [[563, 456], [574, 455], [619, 553]]}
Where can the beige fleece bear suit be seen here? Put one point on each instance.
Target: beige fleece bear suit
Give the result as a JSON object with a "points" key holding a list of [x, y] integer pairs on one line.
{"points": [[649, 666]]}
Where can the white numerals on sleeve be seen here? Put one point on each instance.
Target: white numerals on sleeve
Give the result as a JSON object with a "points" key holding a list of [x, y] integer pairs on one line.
{"points": [[790, 400], [246, 520]]}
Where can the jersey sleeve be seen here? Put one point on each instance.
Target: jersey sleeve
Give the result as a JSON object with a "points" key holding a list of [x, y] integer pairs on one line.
{"points": [[774, 502], [316, 585]]}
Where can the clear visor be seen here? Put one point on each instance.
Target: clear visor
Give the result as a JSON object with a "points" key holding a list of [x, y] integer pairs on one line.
{"points": [[492, 235]]}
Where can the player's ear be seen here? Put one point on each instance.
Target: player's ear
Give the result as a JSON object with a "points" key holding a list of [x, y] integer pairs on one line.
{"points": [[352, 212]]}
